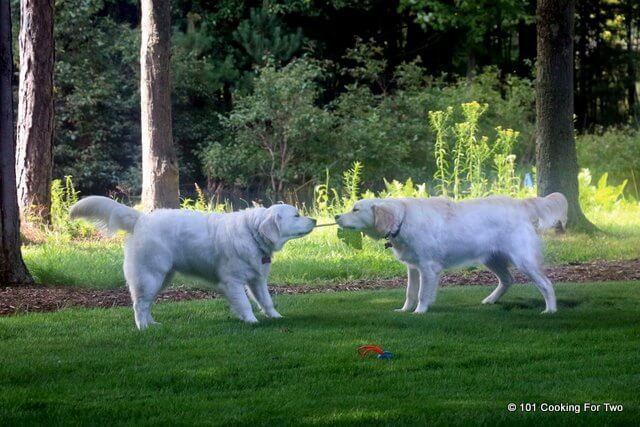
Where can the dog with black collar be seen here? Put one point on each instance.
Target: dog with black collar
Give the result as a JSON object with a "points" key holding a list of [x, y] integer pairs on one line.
{"points": [[429, 235]]}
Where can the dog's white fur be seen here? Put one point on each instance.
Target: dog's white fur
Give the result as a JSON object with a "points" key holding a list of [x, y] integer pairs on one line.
{"points": [[429, 235], [226, 249]]}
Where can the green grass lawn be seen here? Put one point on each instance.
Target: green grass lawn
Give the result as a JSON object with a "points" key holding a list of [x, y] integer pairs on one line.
{"points": [[459, 364], [321, 257]]}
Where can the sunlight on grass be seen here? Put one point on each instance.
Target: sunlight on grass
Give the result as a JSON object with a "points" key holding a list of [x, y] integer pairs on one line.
{"points": [[91, 366]]}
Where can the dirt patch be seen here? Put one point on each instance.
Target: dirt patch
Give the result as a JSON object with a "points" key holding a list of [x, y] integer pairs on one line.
{"points": [[23, 299]]}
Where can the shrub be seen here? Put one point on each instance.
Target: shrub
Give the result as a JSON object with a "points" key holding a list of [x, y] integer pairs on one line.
{"points": [[275, 132], [615, 152], [600, 196], [63, 196]]}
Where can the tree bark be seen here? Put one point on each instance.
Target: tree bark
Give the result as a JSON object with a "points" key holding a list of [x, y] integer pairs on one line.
{"points": [[12, 268], [159, 163], [34, 162], [556, 159]]}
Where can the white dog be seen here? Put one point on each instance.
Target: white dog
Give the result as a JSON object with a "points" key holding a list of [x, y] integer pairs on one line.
{"points": [[428, 235], [233, 250]]}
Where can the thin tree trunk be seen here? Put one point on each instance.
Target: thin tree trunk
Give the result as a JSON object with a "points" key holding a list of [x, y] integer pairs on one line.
{"points": [[12, 268], [556, 160], [159, 163], [631, 65], [34, 161]]}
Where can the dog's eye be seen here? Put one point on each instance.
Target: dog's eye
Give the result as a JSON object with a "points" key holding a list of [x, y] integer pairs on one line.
{"points": [[355, 210], [297, 215]]}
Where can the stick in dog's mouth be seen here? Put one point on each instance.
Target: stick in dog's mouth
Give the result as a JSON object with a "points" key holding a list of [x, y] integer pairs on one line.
{"points": [[325, 225]]}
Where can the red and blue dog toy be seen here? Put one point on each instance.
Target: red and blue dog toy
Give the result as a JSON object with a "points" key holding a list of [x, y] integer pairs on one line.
{"points": [[363, 350]]}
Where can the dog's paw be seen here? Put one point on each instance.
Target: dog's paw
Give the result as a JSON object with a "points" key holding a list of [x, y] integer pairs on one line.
{"points": [[249, 318], [274, 315], [549, 311], [488, 300], [420, 310]]}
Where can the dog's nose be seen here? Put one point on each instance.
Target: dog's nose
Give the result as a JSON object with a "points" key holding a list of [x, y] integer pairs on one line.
{"points": [[314, 221], [336, 217]]}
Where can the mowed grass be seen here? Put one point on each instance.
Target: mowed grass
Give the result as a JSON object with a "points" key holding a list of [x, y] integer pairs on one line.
{"points": [[460, 364], [320, 257]]}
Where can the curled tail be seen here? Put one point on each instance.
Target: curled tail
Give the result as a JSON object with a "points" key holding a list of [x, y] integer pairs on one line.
{"points": [[106, 213], [548, 212]]}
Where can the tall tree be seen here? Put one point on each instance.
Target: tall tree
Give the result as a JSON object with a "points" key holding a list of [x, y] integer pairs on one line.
{"points": [[34, 162], [12, 268], [159, 163], [556, 159]]}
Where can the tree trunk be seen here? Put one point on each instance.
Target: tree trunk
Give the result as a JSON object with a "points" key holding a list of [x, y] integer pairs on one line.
{"points": [[34, 162], [159, 163], [556, 160], [631, 64], [12, 268]]}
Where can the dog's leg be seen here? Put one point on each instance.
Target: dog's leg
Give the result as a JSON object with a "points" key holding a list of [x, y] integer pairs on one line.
{"points": [[534, 272], [413, 285], [260, 291], [238, 301], [144, 289], [144, 283], [429, 278], [165, 283], [500, 268]]}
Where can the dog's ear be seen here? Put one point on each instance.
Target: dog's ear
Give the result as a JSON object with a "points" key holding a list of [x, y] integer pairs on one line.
{"points": [[387, 217], [269, 228]]}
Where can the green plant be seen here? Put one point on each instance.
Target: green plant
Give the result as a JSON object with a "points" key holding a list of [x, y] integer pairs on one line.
{"points": [[63, 196], [274, 134], [439, 123], [396, 188], [202, 204], [599, 196], [467, 173], [614, 151], [506, 181], [264, 36]]}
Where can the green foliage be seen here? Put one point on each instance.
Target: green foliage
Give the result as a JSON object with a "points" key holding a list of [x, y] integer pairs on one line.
{"points": [[614, 151], [480, 20], [374, 104], [274, 133], [63, 196], [96, 122], [396, 188], [264, 37], [351, 179], [599, 196], [439, 123], [200, 203], [463, 168]]}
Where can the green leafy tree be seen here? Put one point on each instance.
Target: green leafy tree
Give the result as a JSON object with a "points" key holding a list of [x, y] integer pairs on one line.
{"points": [[264, 36], [277, 130], [480, 21]]}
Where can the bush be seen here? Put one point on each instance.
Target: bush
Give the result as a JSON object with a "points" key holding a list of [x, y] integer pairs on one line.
{"points": [[276, 135], [614, 151]]}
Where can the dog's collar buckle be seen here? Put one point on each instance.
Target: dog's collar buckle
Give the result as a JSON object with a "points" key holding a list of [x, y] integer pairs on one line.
{"points": [[266, 260]]}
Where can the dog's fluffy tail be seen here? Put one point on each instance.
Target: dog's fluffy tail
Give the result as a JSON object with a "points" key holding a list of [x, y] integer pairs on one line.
{"points": [[549, 212], [106, 214]]}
